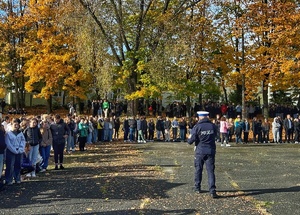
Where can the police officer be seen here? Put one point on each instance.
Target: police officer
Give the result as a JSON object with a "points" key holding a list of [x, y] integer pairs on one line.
{"points": [[203, 135]]}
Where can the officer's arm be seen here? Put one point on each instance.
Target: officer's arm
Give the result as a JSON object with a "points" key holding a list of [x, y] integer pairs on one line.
{"points": [[192, 137]]}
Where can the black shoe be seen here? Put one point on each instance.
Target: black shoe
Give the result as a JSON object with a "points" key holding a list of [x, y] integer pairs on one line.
{"points": [[62, 167], [56, 167], [197, 190], [214, 195]]}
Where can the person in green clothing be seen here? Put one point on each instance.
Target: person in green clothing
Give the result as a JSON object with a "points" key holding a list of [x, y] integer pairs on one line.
{"points": [[105, 107], [83, 133]]}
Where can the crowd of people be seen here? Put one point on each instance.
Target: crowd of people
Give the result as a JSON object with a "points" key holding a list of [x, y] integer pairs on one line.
{"points": [[26, 142]]}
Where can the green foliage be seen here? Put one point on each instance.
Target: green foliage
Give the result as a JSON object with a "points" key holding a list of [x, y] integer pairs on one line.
{"points": [[282, 97]]}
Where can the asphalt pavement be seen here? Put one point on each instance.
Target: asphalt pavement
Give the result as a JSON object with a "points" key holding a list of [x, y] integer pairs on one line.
{"points": [[157, 178]]}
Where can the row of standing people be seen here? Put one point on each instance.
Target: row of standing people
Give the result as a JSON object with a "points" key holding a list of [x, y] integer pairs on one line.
{"points": [[135, 129], [140, 130], [260, 129], [165, 129]]}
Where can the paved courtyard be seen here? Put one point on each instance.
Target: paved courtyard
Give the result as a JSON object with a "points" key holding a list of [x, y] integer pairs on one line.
{"points": [[157, 178]]}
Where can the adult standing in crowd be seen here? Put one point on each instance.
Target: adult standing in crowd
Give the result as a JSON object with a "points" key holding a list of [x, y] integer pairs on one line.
{"points": [[2, 150], [266, 126], [151, 129], [280, 121], [95, 107], [296, 129], [140, 128], [255, 130], [46, 143], [117, 124], [175, 125], [126, 128], [203, 135], [159, 128], [100, 126], [167, 127], [288, 127], [132, 128], [15, 142], [33, 136], [6, 124], [246, 129], [70, 141], [60, 132], [182, 129], [83, 133], [230, 129], [238, 128], [275, 129], [105, 107]]}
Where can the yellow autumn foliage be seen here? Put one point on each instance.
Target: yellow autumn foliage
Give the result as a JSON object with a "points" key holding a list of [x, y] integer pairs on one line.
{"points": [[2, 92], [50, 67]]}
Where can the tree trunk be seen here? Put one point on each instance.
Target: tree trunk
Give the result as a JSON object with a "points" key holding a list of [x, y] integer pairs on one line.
{"points": [[225, 94], [17, 93], [132, 105], [200, 98], [188, 106], [244, 114], [265, 100]]}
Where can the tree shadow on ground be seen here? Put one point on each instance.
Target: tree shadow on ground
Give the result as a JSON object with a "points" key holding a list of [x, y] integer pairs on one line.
{"points": [[137, 212], [145, 212], [87, 183], [109, 171]]}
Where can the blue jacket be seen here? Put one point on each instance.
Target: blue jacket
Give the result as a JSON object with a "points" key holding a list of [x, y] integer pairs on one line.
{"points": [[203, 135]]}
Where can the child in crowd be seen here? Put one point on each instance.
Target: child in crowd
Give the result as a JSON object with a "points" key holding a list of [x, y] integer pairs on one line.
{"points": [[27, 165]]}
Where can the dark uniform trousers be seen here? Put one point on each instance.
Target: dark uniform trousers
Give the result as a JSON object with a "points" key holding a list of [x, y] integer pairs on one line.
{"points": [[209, 161]]}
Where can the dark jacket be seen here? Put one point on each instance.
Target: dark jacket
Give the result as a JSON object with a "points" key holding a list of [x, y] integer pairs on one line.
{"points": [[167, 124], [2, 142], [203, 135], [144, 125], [297, 125], [151, 126], [33, 135], [72, 127], [132, 123], [182, 125], [58, 131], [159, 125], [126, 125], [286, 124]]}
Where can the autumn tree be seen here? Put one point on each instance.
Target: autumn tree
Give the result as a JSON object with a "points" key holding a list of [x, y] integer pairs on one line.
{"points": [[11, 37], [51, 64], [91, 51], [199, 56], [133, 31], [273, 51]]}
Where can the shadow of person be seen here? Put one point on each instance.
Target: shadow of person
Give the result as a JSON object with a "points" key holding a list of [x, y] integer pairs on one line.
{"points": [[253, 192]]}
